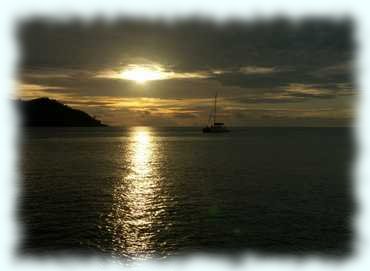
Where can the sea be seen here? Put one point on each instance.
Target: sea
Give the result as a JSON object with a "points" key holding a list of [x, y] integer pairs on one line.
{"points": [[145, 192]]}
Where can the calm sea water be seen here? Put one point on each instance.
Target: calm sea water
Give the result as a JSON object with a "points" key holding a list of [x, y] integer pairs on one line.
{"points": [[145, 192]]}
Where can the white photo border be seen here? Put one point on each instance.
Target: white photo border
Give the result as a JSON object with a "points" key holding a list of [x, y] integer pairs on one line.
{"points": [[12, 12]]}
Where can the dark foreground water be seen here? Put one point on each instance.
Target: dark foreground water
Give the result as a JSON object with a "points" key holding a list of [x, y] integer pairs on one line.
{"points": [[146, 192]]}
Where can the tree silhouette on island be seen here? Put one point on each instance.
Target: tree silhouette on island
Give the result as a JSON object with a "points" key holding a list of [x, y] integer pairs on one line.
{"points": [[51, 113]]}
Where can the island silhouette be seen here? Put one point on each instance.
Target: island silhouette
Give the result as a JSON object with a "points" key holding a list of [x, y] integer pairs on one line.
{"points": [[52, 113]]}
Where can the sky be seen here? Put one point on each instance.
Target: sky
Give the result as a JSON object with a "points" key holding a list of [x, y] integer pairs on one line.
{"points": [[137, 72]]}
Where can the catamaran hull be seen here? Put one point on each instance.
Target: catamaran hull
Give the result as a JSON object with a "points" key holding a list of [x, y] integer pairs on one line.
{"points": [[215, 130]]}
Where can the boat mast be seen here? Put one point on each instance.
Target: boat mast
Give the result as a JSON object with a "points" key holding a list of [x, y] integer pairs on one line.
{"points": [[214, 111], [209, 118]]}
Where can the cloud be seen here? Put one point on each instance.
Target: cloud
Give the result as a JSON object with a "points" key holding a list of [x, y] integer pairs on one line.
{"points": [[186, 46]]}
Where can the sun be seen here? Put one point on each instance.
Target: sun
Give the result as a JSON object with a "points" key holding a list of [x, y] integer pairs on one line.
{"points": [[142, 74]]}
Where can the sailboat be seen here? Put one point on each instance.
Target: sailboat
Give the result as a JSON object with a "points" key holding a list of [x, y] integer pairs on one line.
{"points": [[213, 126]]}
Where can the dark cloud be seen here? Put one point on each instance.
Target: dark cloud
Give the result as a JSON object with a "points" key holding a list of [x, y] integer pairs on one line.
{"points": [[189, 45], [275, 80]]}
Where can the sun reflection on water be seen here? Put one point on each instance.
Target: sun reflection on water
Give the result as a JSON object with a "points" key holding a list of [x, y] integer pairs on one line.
{"points": [[135, 207]]}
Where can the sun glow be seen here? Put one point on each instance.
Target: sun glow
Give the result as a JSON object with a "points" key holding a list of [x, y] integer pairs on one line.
{"points": [[142, 74]]}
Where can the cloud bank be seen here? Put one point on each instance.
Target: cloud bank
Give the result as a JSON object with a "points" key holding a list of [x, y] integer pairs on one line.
{"points": [[267, 73]]}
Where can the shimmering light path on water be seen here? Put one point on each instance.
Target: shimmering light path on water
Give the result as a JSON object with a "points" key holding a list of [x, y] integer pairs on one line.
{"points": [[137, 206]]}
